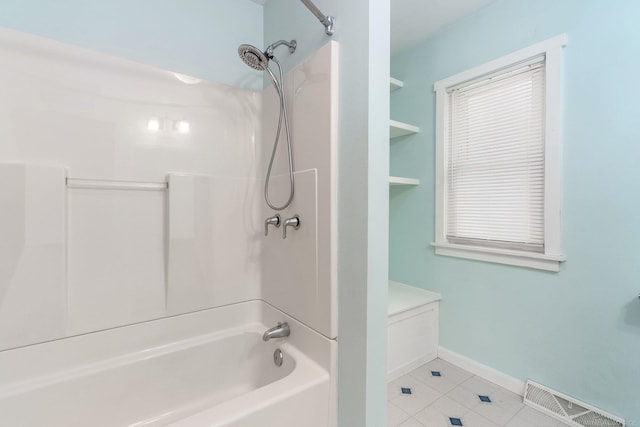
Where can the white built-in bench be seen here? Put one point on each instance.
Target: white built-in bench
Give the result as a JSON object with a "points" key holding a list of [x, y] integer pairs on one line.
{"points": [[412, 328]]}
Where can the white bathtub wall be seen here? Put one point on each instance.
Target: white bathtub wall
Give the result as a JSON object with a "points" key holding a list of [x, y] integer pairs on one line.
{"points": [[210, 241], [116, 258], [236, 238], [87, 113], [291, 264], [189, 267], [33, 294], [299, 272]]}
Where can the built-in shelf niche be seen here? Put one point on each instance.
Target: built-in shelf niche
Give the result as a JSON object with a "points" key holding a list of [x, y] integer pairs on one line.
{"points": [[398, 129]]}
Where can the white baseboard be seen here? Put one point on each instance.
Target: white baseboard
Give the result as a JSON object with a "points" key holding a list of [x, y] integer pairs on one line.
{"points": [[512, 384], [403, 370]]}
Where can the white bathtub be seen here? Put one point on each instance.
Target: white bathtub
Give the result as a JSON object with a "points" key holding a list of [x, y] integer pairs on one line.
{"points": [[209, 368]]}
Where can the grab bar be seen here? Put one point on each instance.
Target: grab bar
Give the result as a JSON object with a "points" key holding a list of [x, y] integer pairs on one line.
{"points": [[326, 20], [103, 184]]}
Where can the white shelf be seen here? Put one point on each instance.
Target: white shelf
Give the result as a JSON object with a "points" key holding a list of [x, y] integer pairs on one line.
{"points": [[399, 180], [395, 84], [397, 129]]}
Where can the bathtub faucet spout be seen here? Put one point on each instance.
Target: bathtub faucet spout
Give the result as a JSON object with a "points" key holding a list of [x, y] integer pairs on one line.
{"points": [[279, 331]]}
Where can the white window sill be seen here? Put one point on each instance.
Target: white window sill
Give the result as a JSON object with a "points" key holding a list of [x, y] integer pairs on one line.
{"points": [[501, 256]]}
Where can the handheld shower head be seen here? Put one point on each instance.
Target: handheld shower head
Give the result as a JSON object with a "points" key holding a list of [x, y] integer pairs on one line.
{"points": [[256, 59], [253, 57], [259, 60]]}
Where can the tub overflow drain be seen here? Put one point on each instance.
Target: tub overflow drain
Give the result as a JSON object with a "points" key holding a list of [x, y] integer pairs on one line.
{"points": [[278, 357]]}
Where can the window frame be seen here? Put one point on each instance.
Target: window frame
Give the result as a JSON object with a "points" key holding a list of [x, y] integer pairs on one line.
{"points": [[552, 256]]}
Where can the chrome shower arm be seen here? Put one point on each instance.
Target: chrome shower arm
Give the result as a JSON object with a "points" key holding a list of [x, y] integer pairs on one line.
{"points": [[326, 20], [292, 45]]}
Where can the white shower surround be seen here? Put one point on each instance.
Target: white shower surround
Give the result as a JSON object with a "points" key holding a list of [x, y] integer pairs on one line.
{"points": [[86, 114], [299, 274]]}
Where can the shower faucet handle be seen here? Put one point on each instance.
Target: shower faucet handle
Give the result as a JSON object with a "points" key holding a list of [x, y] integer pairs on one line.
{"points": [[294, 222], [272, 220]]}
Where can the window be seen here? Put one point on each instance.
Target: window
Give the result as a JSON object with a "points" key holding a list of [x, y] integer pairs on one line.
{"points": [[498, 160]]}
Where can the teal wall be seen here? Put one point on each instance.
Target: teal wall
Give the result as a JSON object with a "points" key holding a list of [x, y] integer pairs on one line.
{"points": [[577, 330], [195, 37], [362, 32]]}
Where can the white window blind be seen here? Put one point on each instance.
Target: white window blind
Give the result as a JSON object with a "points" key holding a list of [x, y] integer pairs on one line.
{"points": [[495, 159]]}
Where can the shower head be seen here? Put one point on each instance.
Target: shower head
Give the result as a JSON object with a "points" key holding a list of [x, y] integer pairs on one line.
{"points": [[259, 60], [253, 57]]}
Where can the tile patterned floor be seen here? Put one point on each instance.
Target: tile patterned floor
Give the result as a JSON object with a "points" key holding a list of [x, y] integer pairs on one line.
{"points": [[443, 395]]}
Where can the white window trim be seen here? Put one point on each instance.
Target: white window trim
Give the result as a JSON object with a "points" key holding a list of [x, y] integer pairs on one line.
{"points": [[552, 257]]}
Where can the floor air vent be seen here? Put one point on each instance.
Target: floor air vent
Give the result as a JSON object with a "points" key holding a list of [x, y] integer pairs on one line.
{"points": [[567, 409]]}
